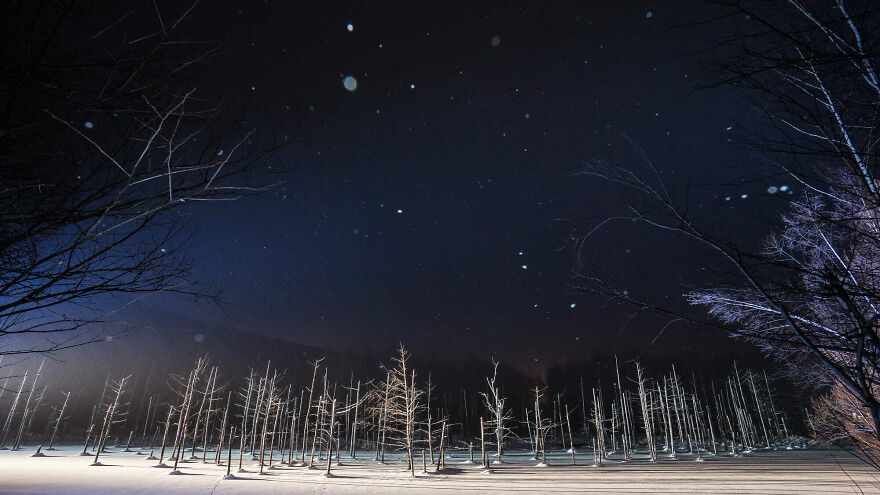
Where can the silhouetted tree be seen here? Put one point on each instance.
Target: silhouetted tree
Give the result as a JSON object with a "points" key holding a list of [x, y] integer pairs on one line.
{"points": [[102, 136]]}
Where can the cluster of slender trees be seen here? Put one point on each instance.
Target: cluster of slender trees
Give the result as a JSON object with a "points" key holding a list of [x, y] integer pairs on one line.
{"points": [[265, 417], [28, 409]]}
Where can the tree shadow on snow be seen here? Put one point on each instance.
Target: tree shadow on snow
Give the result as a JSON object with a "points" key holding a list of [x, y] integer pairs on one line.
{"points": [[447, 470], [339, 476]]}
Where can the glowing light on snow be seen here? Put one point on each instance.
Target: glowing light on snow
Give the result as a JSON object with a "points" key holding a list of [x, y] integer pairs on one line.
{"points": [[649, 14], [220, 153], [525, 267], [744, 196], [783, 188], [528, 116], [573, 305], [350, 83], [350, 27], [520, 253], [412, 86], [199, 337], [496, 41], [772, 189], [399, 212], [88, 124]]}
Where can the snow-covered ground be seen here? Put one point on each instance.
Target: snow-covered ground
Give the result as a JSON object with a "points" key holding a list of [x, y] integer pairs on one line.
{"points": [[63, 471]]}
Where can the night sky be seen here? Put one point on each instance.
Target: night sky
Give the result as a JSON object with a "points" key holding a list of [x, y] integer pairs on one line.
{"points": [[434, 203]]}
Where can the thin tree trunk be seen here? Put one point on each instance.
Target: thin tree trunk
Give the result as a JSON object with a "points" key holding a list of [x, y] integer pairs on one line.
{"points": [[570, 437], [165, 435], [330, 439], [58, 421]]}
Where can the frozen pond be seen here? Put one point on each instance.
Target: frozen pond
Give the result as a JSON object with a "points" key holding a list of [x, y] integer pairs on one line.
{"points": [[64, 471]]}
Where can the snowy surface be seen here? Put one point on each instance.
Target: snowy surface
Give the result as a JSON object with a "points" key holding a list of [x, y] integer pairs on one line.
{"points": [[63, 471]]}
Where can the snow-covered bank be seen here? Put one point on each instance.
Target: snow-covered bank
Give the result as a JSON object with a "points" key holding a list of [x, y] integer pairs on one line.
{"points": [[64, 471]]}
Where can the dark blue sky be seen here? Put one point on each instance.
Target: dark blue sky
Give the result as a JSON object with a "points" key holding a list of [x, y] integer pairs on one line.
{"points": [[433, 204]]}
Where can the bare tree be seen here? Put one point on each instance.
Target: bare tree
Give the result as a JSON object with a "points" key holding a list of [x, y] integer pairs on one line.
{"points": [[498, 415], [838, 416], [57, 421], [543, 426], [809, 295], [9, 417], [308, 409], [645, 401], [401, 407], [110, 416], [187, 395], [101, 137]]}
